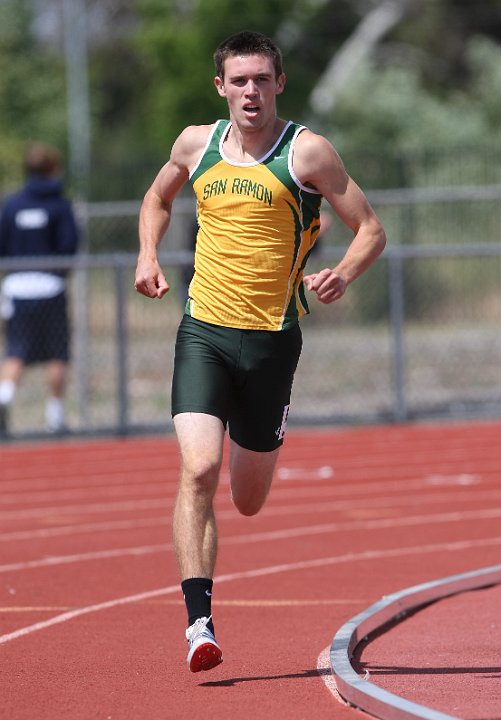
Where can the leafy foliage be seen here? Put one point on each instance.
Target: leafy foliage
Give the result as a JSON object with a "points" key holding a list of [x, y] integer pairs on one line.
{"points": [[434, 81], [177, 41], [31, 89]]}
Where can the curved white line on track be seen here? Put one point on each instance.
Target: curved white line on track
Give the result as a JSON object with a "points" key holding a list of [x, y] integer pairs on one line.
{"points": [[378, 524], [85, 479], [325, 472], [258, 572], [105, 526], [270, 535], [349, 504], [78, 612], [84, 557], [82, 528], [324, 669], [105, 491], [103, 507], [282, 487]]}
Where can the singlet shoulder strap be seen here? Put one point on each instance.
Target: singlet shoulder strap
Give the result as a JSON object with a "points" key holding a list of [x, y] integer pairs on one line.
{"points": [[282, 147], [210, 154]]}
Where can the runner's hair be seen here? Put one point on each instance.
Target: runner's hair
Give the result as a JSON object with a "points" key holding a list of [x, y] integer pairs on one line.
{"points": [[247, 43]]}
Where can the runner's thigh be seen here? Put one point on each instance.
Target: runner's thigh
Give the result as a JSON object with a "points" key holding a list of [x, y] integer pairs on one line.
{"points": [[259, 414], [202, 381]]}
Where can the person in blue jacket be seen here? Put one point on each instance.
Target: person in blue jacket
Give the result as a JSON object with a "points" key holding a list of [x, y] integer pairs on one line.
{"points": [[37, 221]]}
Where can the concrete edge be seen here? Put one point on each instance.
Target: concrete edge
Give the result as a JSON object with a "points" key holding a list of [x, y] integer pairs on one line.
{"points": [[363, 694]]}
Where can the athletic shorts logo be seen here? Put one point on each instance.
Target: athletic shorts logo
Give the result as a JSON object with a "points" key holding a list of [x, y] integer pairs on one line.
{"points": [[280, 431]]}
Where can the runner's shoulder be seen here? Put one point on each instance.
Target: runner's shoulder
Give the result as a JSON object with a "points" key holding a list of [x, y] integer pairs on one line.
{"points": [[193, 139]]}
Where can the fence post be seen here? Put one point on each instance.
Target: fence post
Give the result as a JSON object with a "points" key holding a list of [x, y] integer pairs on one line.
{"points": [[81, 335], [122, 355], [397, 313]]}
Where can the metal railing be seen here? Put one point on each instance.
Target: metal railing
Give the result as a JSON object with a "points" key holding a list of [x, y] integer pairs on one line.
{"points": [[417, 336]]}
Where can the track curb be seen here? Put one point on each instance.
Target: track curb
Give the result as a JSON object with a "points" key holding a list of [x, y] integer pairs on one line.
{"points": [[360, 692]]}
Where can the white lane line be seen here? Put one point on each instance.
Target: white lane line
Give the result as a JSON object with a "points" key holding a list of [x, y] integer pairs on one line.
{"points": [[461, 479], [42, 475], [259, 603], [257, 572], [368, 488], [109, 487], [163, 503], [457, 546], [303, 531], [78, 612], [456, 493], [385, 501], [365, 524], [83, 528], [105, 491], [87, 480], [377, 524], [324, 669], [103, 507], [85, 557], [325, 472], [281, 490]]}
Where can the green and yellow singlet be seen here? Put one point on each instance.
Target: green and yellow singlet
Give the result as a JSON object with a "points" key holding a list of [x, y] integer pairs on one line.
{"points": [[257, 225]]}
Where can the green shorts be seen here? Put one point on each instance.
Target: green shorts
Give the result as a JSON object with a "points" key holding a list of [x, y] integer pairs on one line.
{"points": [[243, 377]]}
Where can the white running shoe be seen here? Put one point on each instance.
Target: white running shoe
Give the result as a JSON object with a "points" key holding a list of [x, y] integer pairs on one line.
{"points": [[204, 653]]}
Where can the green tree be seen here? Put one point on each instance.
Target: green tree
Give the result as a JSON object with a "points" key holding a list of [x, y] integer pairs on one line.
{"points": [[433, 80], [31, 89], [177, 40]]}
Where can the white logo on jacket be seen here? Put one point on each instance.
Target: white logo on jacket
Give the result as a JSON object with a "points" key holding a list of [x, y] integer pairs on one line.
{"points": [[32, 219]]}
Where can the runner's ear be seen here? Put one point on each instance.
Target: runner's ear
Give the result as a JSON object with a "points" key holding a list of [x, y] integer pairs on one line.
{"points": [[218, 82]]}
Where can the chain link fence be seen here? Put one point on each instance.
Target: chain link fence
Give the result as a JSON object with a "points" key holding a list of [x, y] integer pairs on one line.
{"points": [[416, 337]]}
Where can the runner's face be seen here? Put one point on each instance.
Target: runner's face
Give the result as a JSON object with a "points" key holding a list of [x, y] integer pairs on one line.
{"points": [[250, 88]]}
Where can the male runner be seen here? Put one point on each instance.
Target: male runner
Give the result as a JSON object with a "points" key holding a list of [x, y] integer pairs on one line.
{"points": [[259, 181]]}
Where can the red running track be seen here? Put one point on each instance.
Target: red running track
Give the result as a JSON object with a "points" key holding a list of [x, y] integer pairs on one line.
{"points": [[92, 619]]}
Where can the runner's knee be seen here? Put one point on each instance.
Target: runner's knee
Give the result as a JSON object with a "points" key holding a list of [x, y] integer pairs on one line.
{"points": [[248, 506], [200, 475], [249, 492]]}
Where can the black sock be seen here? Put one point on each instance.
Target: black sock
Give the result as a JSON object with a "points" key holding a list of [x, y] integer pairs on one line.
{"points": [[197, 596]]}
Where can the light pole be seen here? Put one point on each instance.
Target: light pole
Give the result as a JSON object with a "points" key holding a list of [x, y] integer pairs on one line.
{"points": [[75, 47]]}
